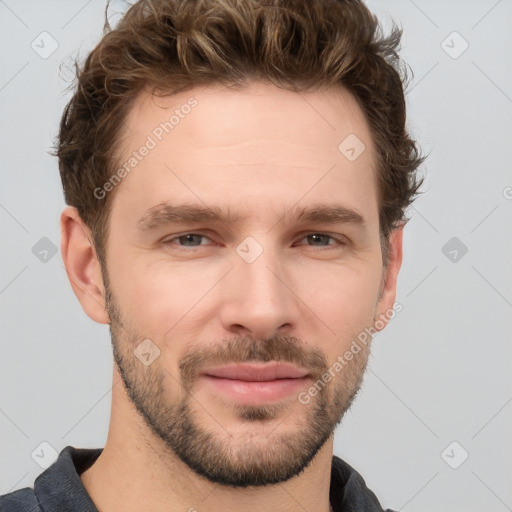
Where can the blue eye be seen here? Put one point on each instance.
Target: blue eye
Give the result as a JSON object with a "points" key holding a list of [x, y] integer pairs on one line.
{"points": [[323, 237], [195, 240], [188, 240], [319, 236]]}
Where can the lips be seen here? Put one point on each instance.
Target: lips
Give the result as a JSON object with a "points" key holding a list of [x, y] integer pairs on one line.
{"points": [[256, 372]]}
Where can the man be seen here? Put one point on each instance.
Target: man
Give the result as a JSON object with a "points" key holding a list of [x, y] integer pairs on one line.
{"points": [[236, 174]]}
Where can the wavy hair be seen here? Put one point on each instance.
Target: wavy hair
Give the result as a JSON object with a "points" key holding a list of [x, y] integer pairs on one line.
{"points": [[170, 46]]}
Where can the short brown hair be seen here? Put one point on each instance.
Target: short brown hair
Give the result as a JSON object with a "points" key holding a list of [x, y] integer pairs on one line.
{"points": [[170, 46]]}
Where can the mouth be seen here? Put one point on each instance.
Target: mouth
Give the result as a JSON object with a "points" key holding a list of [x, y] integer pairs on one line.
{"points": [[252, 372], [256, 383]]}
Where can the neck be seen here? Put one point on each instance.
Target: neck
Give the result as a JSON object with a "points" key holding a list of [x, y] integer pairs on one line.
{"points": [[137, 471]]}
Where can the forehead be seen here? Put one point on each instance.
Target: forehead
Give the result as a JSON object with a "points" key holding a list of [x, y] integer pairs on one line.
{"points": [[257, 114], [261, 143]]}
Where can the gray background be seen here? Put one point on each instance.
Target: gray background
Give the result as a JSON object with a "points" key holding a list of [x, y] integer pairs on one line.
{"points": [[440, 373]]}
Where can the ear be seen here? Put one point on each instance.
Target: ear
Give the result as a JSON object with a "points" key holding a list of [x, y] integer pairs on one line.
{"points": [[389, 279], [82, 265]]}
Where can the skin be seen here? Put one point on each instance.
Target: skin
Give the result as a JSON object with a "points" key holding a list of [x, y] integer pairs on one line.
{"points": [[174, 443]]}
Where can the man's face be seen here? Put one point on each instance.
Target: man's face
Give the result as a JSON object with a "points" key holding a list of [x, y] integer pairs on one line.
{"points": [[266, 287]]}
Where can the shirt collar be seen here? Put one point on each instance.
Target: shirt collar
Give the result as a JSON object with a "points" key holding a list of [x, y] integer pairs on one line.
{"points": [[60, 487]]}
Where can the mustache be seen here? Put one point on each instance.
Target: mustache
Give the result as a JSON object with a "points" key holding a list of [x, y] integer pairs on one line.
{"points": [[284, 349]]}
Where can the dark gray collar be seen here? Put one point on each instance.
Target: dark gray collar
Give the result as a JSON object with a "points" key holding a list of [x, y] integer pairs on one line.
{"points": [[59, 488]]}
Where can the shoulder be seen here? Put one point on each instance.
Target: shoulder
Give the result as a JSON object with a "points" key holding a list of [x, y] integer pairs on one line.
{"points": [[57, 488], [22, 500], [349, 491]]}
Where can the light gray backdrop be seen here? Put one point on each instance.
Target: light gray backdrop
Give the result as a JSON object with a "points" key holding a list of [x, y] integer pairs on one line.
{"points": [[431, 429]]}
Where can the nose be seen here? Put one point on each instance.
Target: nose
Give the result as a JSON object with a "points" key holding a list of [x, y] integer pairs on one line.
{"points": [[259, 300]]}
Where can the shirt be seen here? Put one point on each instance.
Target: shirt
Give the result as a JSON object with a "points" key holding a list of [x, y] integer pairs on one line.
{"points": [[59, 488]]}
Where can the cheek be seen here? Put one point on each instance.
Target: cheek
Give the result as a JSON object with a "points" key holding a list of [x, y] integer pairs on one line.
{"points": [[157, 296], [344, 298], [334, 301]]}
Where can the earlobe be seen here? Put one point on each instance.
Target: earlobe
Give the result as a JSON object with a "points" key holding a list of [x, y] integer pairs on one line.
{"points": [[82, 266], [385, 309]]}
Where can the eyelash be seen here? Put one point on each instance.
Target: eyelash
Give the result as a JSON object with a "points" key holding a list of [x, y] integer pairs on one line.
{"points": [[169, 241]]}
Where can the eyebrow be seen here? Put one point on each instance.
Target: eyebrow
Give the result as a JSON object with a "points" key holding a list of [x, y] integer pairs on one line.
{"points": [[166, 213]]}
